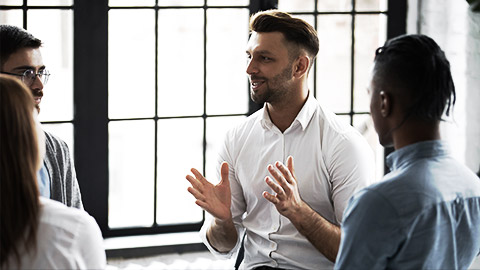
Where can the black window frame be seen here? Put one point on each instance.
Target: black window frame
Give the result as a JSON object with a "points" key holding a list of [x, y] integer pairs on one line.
{"points": [[90, 55]]}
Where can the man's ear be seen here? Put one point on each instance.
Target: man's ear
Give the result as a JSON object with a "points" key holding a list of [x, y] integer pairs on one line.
{"points": [[385, 104], [300, 67]]}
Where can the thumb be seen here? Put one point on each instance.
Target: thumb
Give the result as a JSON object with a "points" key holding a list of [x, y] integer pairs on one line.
{"points": [[290, 166], [224, 174]]}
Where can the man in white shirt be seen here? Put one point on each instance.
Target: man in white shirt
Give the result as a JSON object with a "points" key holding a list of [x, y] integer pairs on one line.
{"points": [[291, 219]]}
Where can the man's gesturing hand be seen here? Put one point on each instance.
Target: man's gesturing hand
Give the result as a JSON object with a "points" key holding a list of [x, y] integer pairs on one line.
{"points": [[287, 198], [214, 199]]}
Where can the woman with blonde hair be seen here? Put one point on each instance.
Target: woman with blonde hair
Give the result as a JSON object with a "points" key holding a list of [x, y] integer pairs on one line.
{"points": [[36, 232]]}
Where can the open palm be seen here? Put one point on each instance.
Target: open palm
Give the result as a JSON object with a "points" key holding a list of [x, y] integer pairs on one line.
{"points": [[215, 199]]}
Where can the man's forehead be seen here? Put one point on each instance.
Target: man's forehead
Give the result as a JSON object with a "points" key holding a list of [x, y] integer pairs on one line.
{"points": [[266, 42], [24, 58]]}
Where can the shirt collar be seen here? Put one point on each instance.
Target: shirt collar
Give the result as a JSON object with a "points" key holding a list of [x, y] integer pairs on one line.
{"points": [[303, 117], [416, 151]]}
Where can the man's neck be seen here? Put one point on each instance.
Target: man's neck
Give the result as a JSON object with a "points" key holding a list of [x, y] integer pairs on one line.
{"points": [[284, 113], [415, 131]]}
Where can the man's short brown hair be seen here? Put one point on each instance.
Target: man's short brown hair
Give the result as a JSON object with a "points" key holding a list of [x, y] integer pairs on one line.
{"points": [[295, 30]]}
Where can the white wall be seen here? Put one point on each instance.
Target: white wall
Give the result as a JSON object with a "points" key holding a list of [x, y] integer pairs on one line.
{"points": [[457, 30]]}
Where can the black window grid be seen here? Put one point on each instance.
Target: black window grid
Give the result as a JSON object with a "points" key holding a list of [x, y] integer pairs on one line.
{"points": [[91, 119]]}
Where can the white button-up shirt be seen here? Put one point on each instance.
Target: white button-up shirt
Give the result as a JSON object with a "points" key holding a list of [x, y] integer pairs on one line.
{"points": [[331, 160]]}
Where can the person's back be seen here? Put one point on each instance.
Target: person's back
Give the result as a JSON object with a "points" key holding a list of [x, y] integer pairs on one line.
{"points": [[35, 232], [426, 212], [67, 238], [433, 204]]}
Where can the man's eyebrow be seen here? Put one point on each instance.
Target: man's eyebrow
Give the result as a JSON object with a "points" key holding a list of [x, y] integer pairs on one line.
{"points": [[260, 52], [28, 67]]}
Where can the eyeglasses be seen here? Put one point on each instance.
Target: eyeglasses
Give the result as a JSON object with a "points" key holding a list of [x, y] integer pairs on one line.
{"points": [[29, 76]]}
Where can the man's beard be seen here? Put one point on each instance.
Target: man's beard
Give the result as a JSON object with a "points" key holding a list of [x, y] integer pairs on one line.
{"points": [[279, 90]]}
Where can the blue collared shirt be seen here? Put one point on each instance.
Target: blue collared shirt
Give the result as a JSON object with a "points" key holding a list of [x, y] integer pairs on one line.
{"points": [[43, 182], [424, 215]]}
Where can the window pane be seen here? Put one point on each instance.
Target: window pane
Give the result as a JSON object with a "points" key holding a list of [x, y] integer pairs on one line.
{"points": [[180, 148], [180, 2], [12, 17], [344, 118], [361, 122], [63, 131], [130, 3], [227, 87], [334, 5], [55, 29], [131, 63], [180, 62], [131, 173], [371, 5], [50, 2], [370, 33], [364, 124], [228, 2], [334, 61], [295, 6], [217, 127], [11, 3]]}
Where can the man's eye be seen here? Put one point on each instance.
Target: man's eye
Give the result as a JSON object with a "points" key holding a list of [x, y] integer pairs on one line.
{"points": [[266, 58], [29, 73]]}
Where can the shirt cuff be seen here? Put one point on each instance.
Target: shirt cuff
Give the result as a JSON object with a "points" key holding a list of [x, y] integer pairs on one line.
{"points": [[220, 255]]}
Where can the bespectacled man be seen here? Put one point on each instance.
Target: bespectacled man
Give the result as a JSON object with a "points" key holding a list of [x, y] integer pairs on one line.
{"points": [[20, 57]]}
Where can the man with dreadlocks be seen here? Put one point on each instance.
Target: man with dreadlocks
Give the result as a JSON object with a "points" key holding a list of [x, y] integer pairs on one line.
{"points": [[425, 214]]}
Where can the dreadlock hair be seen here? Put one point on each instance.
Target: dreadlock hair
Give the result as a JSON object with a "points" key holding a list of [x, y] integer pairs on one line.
{"points": [[295, 31], [416, 67]]}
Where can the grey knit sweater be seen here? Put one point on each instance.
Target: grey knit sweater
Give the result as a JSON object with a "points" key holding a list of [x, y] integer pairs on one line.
{"points": [[63, 180]]}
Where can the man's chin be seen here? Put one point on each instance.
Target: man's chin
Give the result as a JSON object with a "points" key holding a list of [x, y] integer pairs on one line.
{"points": [[259, 99], [37, 106]]}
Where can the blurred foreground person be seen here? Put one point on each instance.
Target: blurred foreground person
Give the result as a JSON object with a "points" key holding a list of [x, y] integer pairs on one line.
{"points": [[36, 232]]}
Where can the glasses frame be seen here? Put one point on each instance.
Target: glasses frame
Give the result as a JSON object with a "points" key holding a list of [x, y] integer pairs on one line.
{"points": [[43, 75]]}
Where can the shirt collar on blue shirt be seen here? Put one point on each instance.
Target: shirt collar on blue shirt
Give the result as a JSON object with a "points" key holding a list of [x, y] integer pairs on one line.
{"points": [[413, 152], [303, 117]]}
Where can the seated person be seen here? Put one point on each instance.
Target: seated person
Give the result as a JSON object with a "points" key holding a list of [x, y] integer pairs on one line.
{"points": [[21, 58], [425, 214], [36, 232]]}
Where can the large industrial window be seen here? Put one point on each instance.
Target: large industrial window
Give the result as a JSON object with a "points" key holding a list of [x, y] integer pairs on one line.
{"points": [[144, 90]]}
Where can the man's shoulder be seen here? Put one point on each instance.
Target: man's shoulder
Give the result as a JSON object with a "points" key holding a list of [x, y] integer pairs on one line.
{"points": [[246, 124], [54, 141], [332, 123]]}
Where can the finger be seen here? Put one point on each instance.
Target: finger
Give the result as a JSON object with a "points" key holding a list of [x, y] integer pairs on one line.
{"points": [[198, 175], [280, 179], [271, 198], [224, 174], [194, 182], [197, 194], [290, 167], [203, 205], [277, 188], [286, 173]]}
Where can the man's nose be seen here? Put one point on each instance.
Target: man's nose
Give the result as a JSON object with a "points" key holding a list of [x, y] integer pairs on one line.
{"points": [[251, 68], [36, 84]]}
